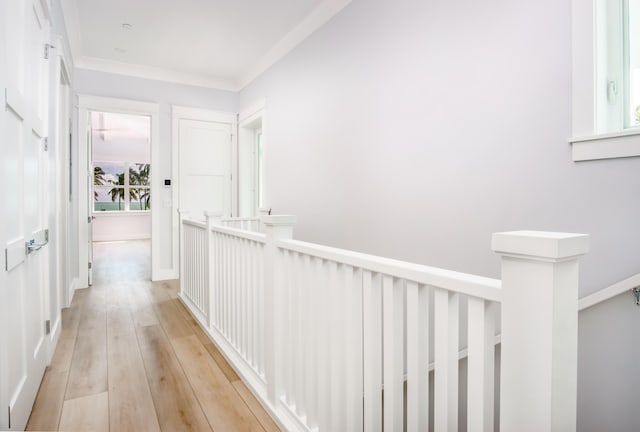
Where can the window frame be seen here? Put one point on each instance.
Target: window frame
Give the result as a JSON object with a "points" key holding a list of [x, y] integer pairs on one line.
{"points": [[126, 186], [596, 132]]}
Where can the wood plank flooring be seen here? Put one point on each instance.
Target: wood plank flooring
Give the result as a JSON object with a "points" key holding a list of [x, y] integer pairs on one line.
{"points": [[131, 358]]}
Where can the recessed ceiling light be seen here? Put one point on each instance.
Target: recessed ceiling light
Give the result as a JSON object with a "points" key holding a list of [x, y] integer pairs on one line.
{"points": [[127, 26], [120, 50]]}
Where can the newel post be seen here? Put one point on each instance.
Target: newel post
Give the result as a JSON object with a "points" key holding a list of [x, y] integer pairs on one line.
{"points": [[213, 218], [538, 382], [262, 211], [278, 227], [182, 215]]}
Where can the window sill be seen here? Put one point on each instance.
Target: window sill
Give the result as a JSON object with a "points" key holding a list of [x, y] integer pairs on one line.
{"points": [[114, 213], [606, 146]]}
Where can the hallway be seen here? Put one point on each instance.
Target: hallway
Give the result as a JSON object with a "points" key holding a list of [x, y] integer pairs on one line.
{"points": [[131, 358]]}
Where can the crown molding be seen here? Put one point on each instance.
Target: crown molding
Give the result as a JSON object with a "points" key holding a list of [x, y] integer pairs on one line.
{"points": [[311, 23], [72, 26], [154, 73]]}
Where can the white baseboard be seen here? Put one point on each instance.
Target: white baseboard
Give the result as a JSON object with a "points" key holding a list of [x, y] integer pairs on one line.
{"points": [[164, 274]]}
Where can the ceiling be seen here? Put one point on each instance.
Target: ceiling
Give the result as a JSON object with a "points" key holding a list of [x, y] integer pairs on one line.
{"points": [[213, 43]]}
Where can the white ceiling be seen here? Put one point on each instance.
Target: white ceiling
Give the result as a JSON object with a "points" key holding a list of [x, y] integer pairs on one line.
{"points": [[214, 43]]}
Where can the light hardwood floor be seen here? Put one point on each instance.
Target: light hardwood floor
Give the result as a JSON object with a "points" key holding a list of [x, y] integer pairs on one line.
{"points": [[132, 358]]}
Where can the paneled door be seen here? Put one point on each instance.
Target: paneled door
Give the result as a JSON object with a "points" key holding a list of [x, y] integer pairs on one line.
{"points": [[205, 166], [24, 33]]}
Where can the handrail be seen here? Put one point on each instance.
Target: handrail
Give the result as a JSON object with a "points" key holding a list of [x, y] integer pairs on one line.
{"points": [[195, 223], [240, 233], [605, 294], [475, 286]]}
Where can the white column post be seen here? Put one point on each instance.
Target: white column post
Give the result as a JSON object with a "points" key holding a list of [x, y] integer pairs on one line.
{"points": [[276, 228], [538, 383], [214, 217], [182, 215]]}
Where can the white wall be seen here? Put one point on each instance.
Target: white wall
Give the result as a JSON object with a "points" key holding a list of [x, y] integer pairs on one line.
{"points": [[121, 226], [414, 129], [165, 94]]}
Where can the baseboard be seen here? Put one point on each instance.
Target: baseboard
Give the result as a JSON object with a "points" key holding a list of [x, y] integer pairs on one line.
{"points": [[163, 274]]}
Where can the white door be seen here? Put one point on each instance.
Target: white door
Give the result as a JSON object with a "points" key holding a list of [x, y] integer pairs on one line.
{"points": [[205, 166], [22, 295]]}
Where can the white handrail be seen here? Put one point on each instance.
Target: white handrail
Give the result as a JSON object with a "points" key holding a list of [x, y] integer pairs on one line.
{"points": [[297, 320], [609, 292], [472, 285]]}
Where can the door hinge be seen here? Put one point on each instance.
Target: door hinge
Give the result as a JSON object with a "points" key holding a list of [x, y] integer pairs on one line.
{"points": [[47, 326], [88, 219], [46, 235], [89, 266], [47, 48], [45, 142]]}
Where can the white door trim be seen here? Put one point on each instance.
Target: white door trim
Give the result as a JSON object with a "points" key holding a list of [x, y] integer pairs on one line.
{"points": [[187, 113], [88, 103]]}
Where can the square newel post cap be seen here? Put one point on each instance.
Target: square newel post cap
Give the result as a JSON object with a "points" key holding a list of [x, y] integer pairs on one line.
{"points": [[278, 220], [540, 245]]}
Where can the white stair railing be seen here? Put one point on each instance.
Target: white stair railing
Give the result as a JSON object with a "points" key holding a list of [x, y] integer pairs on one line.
{"points": [[331, 340]]}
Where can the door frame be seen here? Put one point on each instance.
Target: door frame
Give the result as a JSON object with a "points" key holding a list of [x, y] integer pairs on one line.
{"points": [[187, 113], [59, 291], [86, 104]]}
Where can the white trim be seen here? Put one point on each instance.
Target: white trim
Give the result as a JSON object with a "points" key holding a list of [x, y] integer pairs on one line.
{"points": [[72, 25], [310, 24], [153, 73], [188, 113], [609, 292], [254, 110], [88, 103], [606, 146]]}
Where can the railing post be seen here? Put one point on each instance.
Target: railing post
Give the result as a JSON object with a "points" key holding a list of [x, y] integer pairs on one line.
{"points": [[182, 214], [214, 217], [276, 228], [538, 382], [262, 211]]}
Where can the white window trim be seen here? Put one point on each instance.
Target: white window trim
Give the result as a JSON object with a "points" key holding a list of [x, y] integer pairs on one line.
{"points": [[252, 121], [127, 187], [586, 144]]}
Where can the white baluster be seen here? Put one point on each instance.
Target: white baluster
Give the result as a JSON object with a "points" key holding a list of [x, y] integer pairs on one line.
{"points": [[393, 353], [446, 305], [480, 365], [372, 320], [182, 214], [417, 357], [353, 348]]}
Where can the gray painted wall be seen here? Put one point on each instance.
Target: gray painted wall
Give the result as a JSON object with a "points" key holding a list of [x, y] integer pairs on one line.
{"points": [[414, 129], [165, 94]]}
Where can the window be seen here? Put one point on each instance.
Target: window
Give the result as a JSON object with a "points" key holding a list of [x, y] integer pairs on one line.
{"points": [[605, 79], [632, 62], [113, 191], [617, 65]]}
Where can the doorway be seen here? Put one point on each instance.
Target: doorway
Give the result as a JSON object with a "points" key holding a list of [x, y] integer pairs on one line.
{"points": [[89, 109], [120, 188]]}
